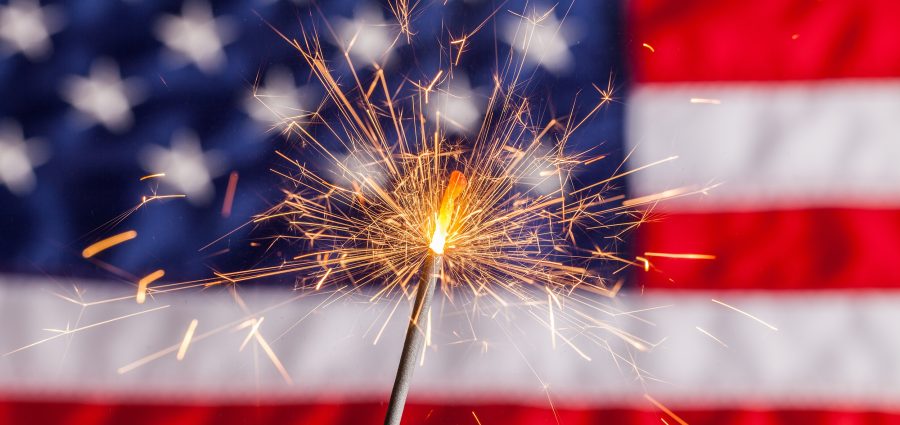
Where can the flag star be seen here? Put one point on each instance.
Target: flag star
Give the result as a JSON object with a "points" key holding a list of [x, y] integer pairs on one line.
{"points": [[103, 97], [457, 107], [279, 100], [196, 36], [368, 37], [187, 168], [26, 27], [541, 39], [539, 174], [357, 167], [18, 157]]}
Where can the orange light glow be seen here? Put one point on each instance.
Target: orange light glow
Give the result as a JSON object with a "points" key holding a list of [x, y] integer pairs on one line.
{"points": [[681, 256], [145, 282], [108, 243], [454, 189]]}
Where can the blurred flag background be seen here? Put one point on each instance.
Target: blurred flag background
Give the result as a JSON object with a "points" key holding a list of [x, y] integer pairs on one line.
{"points": [[792, 106]]}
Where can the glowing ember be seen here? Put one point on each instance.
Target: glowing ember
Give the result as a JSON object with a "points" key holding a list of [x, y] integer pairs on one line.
{"points": [[141, 295], [448, 207], [186, 342], [107, 243]]}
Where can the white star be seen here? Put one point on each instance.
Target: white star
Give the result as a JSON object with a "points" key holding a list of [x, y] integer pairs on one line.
{"points": [[18, 157], [539, 174], [196, 36], [279, 100], [188, 169], [357, 168], [26, 27], [541, 39], [457, 107], [368, 36], [103, 97]]}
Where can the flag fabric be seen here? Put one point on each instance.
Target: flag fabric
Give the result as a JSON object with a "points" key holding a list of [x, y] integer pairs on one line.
{"points": [[789, 106], [766, 298]]}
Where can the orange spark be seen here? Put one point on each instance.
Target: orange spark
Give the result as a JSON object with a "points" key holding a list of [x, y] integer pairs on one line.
{"points": [[83, 328], [623, 174], [649, 47], [403, 11], [146, 199], [107, 243], [153, 176], [477, 421], [254, 333], [433, 82], [666, 194], [322, 280], [645, 261], [182, 350], [229, 194], [254, 327], [745, 314], [681, 256], [594, 159], [462, 45], [665, 409], [383, 326], [704, 332], [146, 281]]}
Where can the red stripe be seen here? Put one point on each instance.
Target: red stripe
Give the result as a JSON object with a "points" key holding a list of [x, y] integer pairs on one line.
{"points": [[793, 249], [700, 40], [373, 413]]}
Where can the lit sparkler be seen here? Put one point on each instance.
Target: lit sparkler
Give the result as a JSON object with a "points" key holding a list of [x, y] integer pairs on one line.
{"points": [[373, 209], [422, 308]]}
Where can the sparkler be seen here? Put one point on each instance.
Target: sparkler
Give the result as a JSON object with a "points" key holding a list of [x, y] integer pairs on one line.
{"points": [[427, 278], [370, 219], [414, 338]]}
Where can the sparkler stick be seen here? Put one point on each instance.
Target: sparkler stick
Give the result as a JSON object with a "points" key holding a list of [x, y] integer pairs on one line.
{"points": [[414, 338], [430, 271]]}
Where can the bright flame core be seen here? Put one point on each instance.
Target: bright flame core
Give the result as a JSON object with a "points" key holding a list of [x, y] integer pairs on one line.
{"points": [[445, 214]]}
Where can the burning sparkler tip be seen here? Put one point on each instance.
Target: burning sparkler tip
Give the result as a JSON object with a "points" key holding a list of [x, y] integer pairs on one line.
{"points": [[454, 190]]}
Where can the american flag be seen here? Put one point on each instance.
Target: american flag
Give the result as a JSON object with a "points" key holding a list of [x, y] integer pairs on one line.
{"points": [[789, 107]]}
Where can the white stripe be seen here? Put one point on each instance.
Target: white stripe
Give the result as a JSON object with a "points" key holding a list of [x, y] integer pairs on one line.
{"points": [[774, 145], [829, 348]]}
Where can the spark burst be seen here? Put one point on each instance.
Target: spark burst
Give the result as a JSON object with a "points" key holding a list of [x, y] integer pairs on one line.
{"points": [[371, 216]]}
